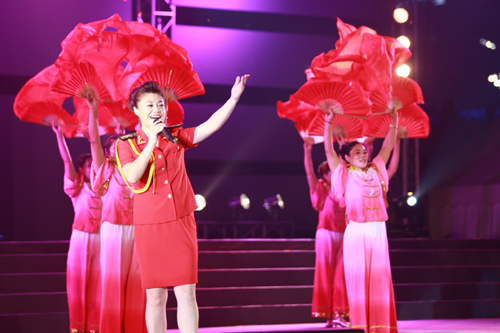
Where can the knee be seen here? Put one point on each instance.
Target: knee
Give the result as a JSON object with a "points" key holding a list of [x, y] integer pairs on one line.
{"points": [[185, 293], [156, 297]]}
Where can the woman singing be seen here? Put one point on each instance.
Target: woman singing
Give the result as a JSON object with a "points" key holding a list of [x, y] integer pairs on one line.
{"points": [[165, 228]]}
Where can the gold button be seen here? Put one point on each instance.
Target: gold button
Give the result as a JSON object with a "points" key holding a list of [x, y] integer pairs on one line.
{"points": [[163, 168], [178, 147], [166, 181], [169, 196], [159, 156]]}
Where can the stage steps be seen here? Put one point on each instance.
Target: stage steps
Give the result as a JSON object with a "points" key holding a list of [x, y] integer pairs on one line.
{"points": [[266, 281]]}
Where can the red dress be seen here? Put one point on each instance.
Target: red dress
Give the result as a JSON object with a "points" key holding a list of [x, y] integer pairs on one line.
{"points": [[329, 291], [165, 229]]}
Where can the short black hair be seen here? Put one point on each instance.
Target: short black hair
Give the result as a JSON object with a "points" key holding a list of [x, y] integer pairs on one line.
{"points": [[109, 142], [144, 88], [323, 169], [81, 160]]}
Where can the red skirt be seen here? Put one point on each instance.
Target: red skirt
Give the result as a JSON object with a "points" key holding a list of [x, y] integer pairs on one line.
{"points": [[167, 253]]}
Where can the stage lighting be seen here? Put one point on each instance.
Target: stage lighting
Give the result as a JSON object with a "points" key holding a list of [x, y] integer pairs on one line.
{"points": [[200, 202], [400, 15], [492, 78], [239, 201], [403, 70], [405, 41], [496, 83], [238, 205], [487, 43], [411, 200], [273, 205]]}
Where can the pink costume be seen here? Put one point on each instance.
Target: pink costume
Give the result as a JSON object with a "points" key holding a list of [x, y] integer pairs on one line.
{"points": [[329, 293], [83, 279], [366, 252], [123, 298]]}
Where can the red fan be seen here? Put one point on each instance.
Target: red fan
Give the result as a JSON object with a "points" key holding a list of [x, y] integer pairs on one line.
{"points": [[175, 113], [343, 98], [45, 113], [166, 63], [413, 123], [83, 81], [89, 61], [37, 104], [405, 92], [347, 127], [178, 82], [310, 121], [107, 123]]}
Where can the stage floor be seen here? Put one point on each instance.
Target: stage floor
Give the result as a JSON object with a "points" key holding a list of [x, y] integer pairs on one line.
{"points": [[404, 326]]}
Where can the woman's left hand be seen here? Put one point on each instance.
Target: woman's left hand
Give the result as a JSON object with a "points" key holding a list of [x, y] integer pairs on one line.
{"points": [[394, 115], [239, 86]]}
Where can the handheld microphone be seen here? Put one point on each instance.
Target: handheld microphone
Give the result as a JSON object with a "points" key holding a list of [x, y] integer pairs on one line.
{"points": [[169, 135]]}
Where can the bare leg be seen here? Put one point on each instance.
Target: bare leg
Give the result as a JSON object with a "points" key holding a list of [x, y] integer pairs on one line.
{"points": [[187, 309], [156, 317]]}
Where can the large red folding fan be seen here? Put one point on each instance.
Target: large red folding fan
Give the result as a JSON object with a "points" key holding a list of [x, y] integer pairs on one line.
{"points": [[340, 97], [310, 121], [82, 82], [37, 104], [405, 91], [413, 123]]}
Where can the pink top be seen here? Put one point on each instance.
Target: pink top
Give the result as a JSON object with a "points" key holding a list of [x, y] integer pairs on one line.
{"points": [[86, 203], [362, 191], [331, 211], [117, 198]]}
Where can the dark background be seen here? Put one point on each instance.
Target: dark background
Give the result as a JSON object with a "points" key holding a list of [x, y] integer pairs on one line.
{"points": [[256, 152]]}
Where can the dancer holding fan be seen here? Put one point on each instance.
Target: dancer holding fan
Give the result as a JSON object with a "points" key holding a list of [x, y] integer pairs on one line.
{"points": [[123, 299], [165, 231], [363, 186], [329, 292], [83, 280]]}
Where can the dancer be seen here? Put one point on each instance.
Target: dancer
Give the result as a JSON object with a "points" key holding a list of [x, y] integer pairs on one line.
{"points": [[163, 213], [367, 267], [329, 291], [123, 298], [83, 279]]}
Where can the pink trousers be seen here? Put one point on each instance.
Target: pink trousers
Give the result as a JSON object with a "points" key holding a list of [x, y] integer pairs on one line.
{"points": [[83, 282], [368, 278], [123, 299], [329, 292]]}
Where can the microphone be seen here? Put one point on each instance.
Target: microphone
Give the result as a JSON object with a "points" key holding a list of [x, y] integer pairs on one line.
{"points": [[169, 135]]}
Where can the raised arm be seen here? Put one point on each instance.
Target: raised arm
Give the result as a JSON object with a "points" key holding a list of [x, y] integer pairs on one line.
{"points": [[393, 165], [218, 119], [390, 137], [69, 168], [312, 180], [134, 170], [331, 156], [95, 141]]}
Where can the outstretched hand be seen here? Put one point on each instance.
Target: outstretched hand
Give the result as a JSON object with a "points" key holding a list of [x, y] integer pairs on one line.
{"points": [[329, 116], [239, 86], [308, 143], [56, 128], [394, 115], [92, 102]]}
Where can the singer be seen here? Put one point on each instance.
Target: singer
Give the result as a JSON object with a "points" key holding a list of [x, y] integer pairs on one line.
{"points": [[165, 229]]}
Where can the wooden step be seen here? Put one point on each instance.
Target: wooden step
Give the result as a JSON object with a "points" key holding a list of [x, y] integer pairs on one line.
{"points": [[33, 303]]}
